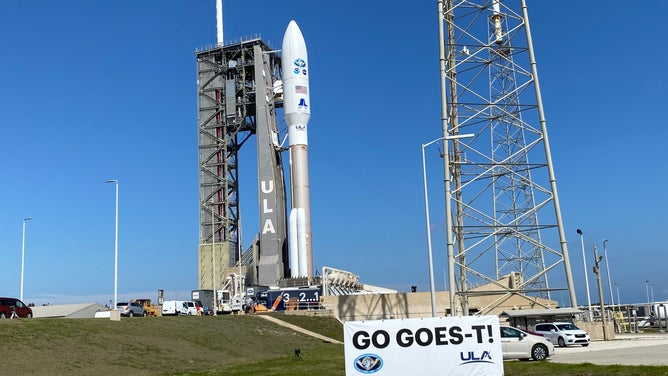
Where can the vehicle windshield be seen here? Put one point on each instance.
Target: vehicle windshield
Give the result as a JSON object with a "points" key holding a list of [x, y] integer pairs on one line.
{"points": [[567, 327]]}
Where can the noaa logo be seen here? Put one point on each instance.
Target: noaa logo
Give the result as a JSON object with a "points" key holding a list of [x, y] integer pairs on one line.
{"points": [[296, 71], [300, 63], [368, 363]]}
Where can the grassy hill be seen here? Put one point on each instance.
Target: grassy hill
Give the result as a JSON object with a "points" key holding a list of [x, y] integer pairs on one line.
{"points": [[221, 345], [229, 345]]}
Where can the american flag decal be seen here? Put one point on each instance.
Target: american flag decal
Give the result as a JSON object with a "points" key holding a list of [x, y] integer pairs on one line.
{"points": [[301, 89]]}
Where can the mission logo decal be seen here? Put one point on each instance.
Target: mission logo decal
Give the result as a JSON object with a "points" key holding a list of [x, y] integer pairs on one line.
{"points": [[299, 62], [368, 363]]}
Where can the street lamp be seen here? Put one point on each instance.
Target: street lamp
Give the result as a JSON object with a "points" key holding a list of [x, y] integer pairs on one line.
{"points": [[584, 263], [647, 290], [213, 257], [607, 268], [23, 248], [619, 302], [432, 288], [597, 271], [115, 248]]}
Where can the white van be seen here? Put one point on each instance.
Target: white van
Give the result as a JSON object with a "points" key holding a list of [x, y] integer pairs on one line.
{"points": [[192, 308], [174, 307]]}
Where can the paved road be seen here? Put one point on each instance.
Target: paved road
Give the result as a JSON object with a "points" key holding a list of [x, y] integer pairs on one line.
{"points": [[626, 349]]}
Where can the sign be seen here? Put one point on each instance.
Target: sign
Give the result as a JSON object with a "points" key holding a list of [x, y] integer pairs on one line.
{"points": [[468, 345]]}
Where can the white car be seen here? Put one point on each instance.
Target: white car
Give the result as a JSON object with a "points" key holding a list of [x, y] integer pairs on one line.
{"points": [[563, 333], [518, 344], [131, 309]]}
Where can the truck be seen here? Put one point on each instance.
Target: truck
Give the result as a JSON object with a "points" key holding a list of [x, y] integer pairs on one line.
{"points": [[205, 300], [231, 297]]}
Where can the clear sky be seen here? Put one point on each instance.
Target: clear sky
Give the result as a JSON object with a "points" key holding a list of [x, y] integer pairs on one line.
{"points": [[93, 90]]}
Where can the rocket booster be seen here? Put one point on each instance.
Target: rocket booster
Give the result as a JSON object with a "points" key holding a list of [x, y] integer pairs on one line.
{"points": [[297, 112]]}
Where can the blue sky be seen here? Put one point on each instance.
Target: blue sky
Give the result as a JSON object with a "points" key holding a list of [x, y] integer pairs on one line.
{"points": [[106, 90]]}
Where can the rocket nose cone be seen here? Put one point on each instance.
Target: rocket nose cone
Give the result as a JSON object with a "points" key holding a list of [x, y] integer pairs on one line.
{"points": [[293, 32]]}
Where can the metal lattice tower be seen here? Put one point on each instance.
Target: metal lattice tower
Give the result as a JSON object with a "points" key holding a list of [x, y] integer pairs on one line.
{"points": [[235, 101], [505, 227]]}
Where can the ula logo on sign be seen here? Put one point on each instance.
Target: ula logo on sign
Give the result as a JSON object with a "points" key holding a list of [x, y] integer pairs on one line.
{"points": [[471, 357], [368, 363]]}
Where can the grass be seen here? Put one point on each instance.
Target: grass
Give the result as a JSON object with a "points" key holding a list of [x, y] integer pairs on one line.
{"points": [[220, 345]]}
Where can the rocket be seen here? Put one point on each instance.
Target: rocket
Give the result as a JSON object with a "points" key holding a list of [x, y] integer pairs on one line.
{"points": [[297, 111]]}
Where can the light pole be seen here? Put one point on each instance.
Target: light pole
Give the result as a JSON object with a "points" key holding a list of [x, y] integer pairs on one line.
{"points": [[115, 248], [213, 257], [607, 268], [23, 249], [597, 271], [432, 288], [619, 302], [584, 263], [651, 293], [647, 290]]}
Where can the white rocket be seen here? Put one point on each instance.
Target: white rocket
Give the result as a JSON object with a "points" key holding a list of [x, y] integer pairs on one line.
{"points": [[297, 111]]}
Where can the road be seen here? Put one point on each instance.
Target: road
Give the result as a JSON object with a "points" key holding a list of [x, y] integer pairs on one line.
{"points": [[626, 349]]}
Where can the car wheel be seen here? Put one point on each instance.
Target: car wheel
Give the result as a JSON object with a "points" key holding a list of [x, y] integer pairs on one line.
{"points": [[3, 316], [131, 314], [29, 316], [145, 314], [539, 352], [585, 344], [561, 342]]}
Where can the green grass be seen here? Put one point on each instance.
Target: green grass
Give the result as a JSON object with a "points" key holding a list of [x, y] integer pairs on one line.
{"points": [[221, 345]]}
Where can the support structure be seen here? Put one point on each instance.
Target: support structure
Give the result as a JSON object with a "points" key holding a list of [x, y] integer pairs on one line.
{"points": [[236, 101], [503, 209]]}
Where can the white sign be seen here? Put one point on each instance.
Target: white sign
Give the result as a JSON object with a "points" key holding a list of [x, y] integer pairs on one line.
{"points": [[468, 345]]}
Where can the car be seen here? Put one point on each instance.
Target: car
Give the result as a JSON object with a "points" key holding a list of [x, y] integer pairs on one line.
{"points": [[563, 333], [131, 309], [518, 344], [16, 306]]}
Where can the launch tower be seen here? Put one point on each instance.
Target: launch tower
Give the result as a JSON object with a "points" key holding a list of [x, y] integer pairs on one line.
{"points": [[235, 86], [502, 207]]}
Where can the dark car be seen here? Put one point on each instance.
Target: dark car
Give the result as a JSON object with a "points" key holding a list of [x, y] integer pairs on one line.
{"points": [[131, 309], [15, 306]]}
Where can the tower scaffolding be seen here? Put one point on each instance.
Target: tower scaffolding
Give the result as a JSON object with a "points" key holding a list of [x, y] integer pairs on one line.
{"points": [[502, 205], [235, 85]]}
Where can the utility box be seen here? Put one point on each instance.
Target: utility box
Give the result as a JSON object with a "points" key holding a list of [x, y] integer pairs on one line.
{"points": [[115, 315]]}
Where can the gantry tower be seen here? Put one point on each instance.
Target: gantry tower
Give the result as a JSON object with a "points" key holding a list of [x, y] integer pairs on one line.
{"points": [[236, 100], [504, 221]]}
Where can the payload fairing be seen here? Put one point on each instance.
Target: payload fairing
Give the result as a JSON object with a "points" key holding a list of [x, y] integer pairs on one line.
{"points": [[297, 112]]}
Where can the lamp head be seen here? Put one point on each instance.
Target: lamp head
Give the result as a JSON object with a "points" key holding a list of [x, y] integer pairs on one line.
{"points": [[579, 231]]}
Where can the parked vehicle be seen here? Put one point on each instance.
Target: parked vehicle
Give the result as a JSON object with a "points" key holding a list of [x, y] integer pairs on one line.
{"points": [[151, 309], [192, 308], [518, 344], [13, 305], [131, 309], [174, 307], [563, 333]]}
